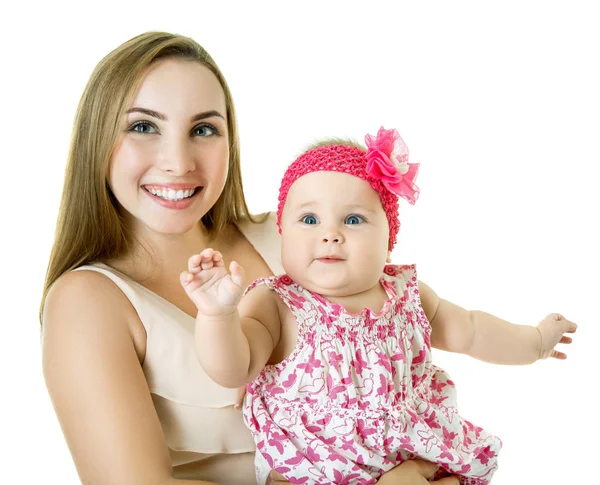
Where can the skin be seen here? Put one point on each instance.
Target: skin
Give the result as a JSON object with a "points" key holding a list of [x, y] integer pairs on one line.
{"points": [[177, 149], [334, 214], [357, 234], [93, 341]]}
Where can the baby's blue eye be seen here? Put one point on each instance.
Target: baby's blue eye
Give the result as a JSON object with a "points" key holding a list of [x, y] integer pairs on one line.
{"points": [[353, 219], [309, 220]]}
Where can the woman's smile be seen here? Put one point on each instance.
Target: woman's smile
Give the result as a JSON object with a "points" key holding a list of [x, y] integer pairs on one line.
{"points": [[173, 196]]}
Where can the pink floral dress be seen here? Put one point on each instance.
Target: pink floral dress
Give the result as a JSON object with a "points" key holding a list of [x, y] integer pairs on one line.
{"points": [[359, 395]]}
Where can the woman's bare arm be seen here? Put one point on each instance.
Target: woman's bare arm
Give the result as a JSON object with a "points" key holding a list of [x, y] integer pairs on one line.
{"points": [[95, 380]]}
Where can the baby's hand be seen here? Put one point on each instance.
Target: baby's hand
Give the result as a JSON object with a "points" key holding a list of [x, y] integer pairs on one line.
{"points": [[209, 286], [551, 331]]}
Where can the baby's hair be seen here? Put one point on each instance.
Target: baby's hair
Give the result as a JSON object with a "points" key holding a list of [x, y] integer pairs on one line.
{"points": [[332, 141], [326, 142]]}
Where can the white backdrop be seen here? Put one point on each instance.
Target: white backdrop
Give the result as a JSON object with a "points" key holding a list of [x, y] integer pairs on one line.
{"points": [[498, 102]]}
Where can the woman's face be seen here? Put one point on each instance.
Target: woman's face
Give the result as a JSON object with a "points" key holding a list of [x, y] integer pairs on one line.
{"points": [[171, 161]]}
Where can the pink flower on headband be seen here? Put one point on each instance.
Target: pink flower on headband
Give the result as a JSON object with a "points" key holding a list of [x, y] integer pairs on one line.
{"points": [[387, 160]]}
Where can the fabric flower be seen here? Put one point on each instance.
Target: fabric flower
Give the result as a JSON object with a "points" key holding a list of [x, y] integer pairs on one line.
{"points": [[387, 160], [390, 270], [285, 279]]}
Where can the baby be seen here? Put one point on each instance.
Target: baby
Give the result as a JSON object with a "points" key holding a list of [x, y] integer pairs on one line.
{"points": [[337, 352]]}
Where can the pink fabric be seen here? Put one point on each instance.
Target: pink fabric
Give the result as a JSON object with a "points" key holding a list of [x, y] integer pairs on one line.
{"points": [[385, 166], [387, 159], [359, 394]]}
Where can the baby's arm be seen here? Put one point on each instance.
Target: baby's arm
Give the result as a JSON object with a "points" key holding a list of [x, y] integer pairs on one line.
{"points": [[490, 338], [232, 350]]}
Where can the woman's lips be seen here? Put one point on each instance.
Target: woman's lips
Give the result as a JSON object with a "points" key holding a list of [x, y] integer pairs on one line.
{"points": [[173, 204], [174, 186]]}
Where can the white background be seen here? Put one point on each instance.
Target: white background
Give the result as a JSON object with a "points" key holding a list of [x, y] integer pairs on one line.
{"points": [[498, 102]]}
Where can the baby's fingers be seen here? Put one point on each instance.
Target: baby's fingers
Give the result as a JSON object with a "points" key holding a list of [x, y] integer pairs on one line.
{"points": [[194, 264], [237, 274], [211, 258], [207, 259], [567, 325], [186, 277], [197, 261], [570, 327], [558, 355]]}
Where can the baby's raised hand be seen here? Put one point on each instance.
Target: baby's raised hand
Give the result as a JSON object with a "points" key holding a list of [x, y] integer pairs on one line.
{"points": [[552, 330], [209, 286]]}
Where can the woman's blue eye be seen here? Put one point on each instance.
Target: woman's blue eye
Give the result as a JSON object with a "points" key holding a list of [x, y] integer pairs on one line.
{"points": [[353, 219], [309, 220], [142, 127], [205, 130]]}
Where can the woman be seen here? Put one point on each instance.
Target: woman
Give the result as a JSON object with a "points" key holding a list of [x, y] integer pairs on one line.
{"points": [[153, 176]]}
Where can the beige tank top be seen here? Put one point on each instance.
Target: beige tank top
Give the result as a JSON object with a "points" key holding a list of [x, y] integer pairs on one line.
{"points": [[198, 416]]}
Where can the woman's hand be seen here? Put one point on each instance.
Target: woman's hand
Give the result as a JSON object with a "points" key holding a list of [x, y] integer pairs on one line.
{"points": [[411, 472], [414, 472], [275, 479]]}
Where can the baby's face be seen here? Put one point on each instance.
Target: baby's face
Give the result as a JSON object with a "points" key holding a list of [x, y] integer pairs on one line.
{"points": [[334, 234]]}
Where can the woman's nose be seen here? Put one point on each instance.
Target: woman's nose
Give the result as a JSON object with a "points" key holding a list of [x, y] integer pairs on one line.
{"points": [[177, 158]]}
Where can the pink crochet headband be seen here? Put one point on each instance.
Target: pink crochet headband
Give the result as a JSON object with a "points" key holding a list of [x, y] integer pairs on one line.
{"points": [[384, 165]]}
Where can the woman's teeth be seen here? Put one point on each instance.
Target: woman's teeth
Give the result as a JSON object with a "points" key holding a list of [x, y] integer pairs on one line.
{"points": [[170, 194]]}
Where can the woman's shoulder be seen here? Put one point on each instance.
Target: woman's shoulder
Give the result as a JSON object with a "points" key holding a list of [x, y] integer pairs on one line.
{"points": [[265, 221], [86, 300], [84, 283]]}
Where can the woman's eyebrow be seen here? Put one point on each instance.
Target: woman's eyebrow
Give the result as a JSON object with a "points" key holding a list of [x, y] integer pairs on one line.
{"points": [[160, 116], [207, 114], [149, 112]]}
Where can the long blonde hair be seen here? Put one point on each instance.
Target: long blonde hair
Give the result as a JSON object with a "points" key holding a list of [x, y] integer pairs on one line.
{"points": [[89, 227]]}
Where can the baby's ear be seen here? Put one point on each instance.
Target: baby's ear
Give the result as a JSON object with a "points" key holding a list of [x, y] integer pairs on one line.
{"points": [[389, 258]]}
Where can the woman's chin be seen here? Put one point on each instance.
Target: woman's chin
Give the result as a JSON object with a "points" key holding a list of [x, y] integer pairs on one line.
{"points": [[172, 228]]}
